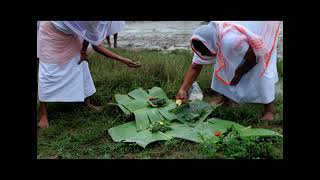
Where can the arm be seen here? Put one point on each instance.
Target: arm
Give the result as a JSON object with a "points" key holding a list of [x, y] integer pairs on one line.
{"points": [[249, 63], [85, 45], [104, 51], [190, 76], [83, 52]]}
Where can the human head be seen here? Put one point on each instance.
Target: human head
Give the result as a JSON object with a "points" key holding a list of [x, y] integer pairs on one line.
{"points": [[204, 41]]}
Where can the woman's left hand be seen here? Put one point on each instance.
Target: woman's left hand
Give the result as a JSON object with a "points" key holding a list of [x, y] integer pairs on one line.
{"points": [[83, 57]]}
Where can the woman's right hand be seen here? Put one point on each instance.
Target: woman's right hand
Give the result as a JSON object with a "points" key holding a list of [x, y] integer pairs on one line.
{"points": [[131, 63], [182, 95], [104, 51]]}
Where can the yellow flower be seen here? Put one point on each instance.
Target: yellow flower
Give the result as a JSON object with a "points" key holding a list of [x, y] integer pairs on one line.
{"points": [[179, 102]]}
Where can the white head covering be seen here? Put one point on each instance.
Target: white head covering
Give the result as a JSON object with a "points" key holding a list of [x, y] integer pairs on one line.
{"points": [[208, 35], [94, 32], [261, 37]]}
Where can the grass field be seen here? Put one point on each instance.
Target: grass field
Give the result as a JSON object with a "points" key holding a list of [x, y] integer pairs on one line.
{"points": [[76, 132]]}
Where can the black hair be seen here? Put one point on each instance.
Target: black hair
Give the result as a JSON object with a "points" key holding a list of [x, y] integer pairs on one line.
{"points": [[199, 46]]}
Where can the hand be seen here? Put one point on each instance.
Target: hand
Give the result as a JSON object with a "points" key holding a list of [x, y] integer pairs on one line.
{"points": [[182, 95], [132, 64], [83, 57], [237, 77]]}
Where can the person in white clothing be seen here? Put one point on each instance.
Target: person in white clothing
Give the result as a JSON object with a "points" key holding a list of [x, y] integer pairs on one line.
{"points": [[244, 57], [116, 27], [64, 74]]}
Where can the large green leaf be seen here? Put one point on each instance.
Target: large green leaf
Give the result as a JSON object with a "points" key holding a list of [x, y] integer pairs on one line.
{"points": [[128, 133], [166, 111], [204, 116], [158, 93], [142, 120], [137, 101], [206, 130], [224, 124], [139, 94], [154, 115], [138, 131], [123, 131], [125, 110], [128, 105], [184, 131], [193, 113], [136, 104], [259, 132], [122, 99], [143, 138], [203, 131], [244, 131]]}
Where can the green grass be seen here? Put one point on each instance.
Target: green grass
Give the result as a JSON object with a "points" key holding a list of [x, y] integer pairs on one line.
{"points": [[280, 67], [76, 132]]}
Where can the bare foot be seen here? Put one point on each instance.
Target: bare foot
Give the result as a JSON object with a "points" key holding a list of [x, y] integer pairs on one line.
{"points": [[269, 112], [43, 122], [268, 116], [226, 102], [94, 108], [217, 101]]}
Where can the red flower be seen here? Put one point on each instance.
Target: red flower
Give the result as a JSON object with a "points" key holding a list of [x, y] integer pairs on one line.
{"points": [[218, 133]]}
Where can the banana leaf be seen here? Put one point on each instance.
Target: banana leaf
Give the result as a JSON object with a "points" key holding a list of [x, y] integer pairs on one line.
{"points": [[136, 102], [123, 99], [127, 132], [142, 120], [166, 111], [197, 134], [221, 124], [136, 105], [259, 132], [207, 130], [139, 131], [123, 131], [139, 94], [125, 110], [145, 137], [244, 131], [154, 116], [158, 93], [184, 131], [193, 113]]}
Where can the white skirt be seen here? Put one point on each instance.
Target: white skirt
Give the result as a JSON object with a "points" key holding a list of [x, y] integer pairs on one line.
{"points": [[116, 27], [252, 89], [65, 83]]}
